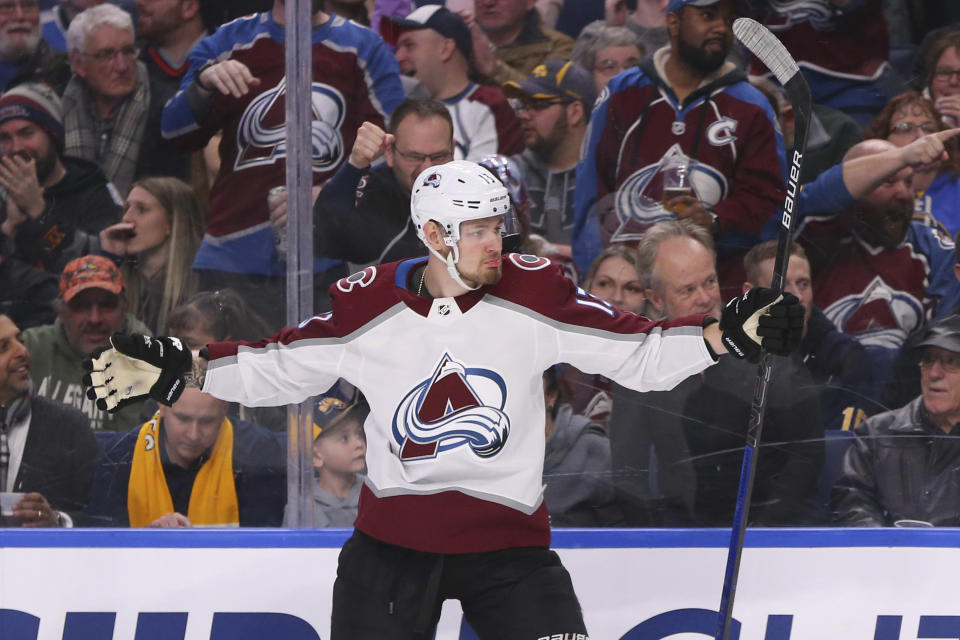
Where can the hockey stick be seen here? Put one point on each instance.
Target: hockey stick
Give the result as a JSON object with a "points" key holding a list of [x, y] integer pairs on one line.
{"points": [[769, 50]]}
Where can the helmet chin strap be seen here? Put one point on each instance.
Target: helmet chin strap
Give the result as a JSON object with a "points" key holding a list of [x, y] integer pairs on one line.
{"points": [[451, 261]]}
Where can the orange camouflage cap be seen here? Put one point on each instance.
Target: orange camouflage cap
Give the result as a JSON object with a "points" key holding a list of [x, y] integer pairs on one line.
{"points": [[88, 272]]}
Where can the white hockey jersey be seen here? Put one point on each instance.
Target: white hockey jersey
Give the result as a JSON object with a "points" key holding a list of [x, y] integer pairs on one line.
{"points": [[455, 435]]}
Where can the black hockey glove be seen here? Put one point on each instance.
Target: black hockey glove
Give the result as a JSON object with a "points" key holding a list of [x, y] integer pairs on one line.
{"points": [[762, 319], [136, 366]]}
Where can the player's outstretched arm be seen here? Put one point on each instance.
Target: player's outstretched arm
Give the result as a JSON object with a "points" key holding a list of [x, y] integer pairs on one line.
{"points": [[136, 366], [755, 321]]}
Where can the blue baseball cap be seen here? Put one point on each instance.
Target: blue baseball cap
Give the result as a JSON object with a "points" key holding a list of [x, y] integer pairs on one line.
{"points": [[555, 79], [676, 5], [430, 16], [336, 408]]}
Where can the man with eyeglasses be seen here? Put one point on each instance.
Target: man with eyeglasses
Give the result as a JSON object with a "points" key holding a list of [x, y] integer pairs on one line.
{"points": [[685, 105], [55, 20], [904, 465], [554, 105], [24, 54], [363, 213], [110, 113]]}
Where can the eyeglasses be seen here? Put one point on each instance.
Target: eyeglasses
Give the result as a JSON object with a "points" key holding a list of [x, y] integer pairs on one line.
{"points": [[419, 158], [950, 362], [910, 127], [945, 74], [128, 52], [27, 6], [608, 66], [536, 104]]}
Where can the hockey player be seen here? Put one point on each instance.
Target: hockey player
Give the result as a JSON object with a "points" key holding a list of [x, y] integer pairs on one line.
{"points": [[449, 350]]}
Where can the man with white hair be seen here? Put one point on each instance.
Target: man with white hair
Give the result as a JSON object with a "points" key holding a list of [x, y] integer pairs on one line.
{"points": [[107, 104], [24, 55]]}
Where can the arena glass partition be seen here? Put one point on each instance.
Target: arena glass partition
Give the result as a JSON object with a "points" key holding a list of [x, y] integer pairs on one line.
{"points": [[632, 480]]}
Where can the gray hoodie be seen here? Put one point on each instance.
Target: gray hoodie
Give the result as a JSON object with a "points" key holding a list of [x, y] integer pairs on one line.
{"points": [[579, 489], [331, 511]]}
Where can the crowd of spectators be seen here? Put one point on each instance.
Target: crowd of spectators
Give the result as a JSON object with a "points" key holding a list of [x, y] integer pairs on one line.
{"points": [[142, 142]]}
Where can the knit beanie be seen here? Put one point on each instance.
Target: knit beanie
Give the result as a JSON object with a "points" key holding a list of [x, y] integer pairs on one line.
{"points": [[37, 103]]}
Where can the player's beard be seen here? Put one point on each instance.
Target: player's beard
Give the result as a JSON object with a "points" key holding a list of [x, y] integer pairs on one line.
{"points": [[483, 276], [698, 59]]}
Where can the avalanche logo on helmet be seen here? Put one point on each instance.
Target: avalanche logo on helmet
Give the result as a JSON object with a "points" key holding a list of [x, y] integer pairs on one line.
{"points": [[432, 180], [456, 407]]}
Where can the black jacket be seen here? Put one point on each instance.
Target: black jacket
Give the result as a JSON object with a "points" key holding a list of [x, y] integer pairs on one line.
{"points": [[697, 432], [900, 466], [77, 209], [842, 372], [59, 456], [365, 218], [157, 156], [27, 293]]}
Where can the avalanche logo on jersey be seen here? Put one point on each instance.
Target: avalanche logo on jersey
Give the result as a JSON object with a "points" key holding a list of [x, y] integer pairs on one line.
{"points": [[456, 407], [638, 201], [261, 134], [878, 316], [818, 13]]}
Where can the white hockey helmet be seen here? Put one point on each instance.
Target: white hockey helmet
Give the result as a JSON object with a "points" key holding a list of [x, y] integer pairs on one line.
{"points": [[453, 193], [456, 192]]}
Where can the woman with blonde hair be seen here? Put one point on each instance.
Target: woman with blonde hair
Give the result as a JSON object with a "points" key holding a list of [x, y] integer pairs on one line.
{"points": [[156, 240]]}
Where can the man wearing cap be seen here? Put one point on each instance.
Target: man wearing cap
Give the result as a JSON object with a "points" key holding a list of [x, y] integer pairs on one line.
{"points": [[90, 308], [905, 464], [47, 451], [52, 205], [509, 39], [434, 47], [190, 465], [685, 106], [554, 105]]}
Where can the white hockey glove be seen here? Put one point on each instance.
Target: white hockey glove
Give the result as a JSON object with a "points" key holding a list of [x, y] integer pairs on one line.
{"points": [[761, 319], [136, 366]]}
